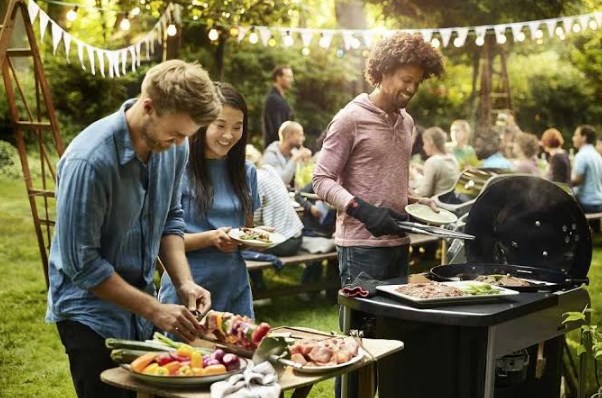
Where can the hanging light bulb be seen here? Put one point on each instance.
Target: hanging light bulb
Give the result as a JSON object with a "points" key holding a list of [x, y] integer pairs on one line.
{"points": [[135, 11], [520, 36], [125, 22], [324, 42], [576, 28], [593, 25], [457, 42], [539, 34], [234, 31], [501, 39], [72, 14], [305, 51], [172, 30], [479, 41], [288, 40], [253, 38], [213, 34], [435, 43]]}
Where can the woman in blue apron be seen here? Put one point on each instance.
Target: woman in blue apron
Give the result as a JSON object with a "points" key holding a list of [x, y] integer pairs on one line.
{"points": [[219, 192]]}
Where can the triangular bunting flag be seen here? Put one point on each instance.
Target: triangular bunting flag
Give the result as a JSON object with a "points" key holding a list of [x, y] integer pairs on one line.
{"points": [[551, 25], [427, 34], [124, 62], [445, 35], [500, 31], [67, 43], [56, 32], [517, 30], [533, 28], [480, 32], [91, 59], [368, 37], [111, 60], [100, 54], [264, 35], [347, 39], [133, 57], [568, 24], [242, 31], [138, 51], [461, 38], [80, 53], [306, 37], [584, 21], [326, 38], [32, 10], [43, 24]]}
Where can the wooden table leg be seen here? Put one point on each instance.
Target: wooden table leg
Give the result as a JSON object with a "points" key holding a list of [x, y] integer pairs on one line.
{"points": [[367, 384], [302, 392]]}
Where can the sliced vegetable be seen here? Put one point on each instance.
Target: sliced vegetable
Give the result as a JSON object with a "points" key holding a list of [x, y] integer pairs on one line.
{"points": [[231, 362], [150, 369], [112, 344], [214, 370], [123, 355], [185, 351], [196, 359], [173, 367], [142, 362]]}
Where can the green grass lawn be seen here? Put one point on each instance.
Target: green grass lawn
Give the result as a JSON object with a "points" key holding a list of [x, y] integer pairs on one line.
{"points": [[32, 360]]}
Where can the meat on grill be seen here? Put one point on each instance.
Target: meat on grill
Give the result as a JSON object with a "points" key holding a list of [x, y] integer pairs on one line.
{"points": [[315, 353], [503, 280], [430, 290]]}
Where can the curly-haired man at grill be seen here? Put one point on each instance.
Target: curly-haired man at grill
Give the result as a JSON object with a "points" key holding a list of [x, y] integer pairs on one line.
{"points": [[364, 164]]}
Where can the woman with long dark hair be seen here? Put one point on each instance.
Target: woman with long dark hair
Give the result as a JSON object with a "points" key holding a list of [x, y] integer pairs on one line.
{"points": [[219, 192]]}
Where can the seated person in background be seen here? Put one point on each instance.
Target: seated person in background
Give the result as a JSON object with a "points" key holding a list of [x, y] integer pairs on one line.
{"points": [[559, 164], [460, 135], [276, 211], [219, 192], [587, 170], [487, 148], [440, 169], [283, 155], [526, 147]]}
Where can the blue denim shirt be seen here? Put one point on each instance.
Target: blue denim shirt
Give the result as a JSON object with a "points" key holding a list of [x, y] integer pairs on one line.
{"points": [[588, 164], [112, 210]]}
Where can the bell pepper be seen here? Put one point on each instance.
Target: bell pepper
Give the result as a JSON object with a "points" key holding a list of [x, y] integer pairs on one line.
{"points": [[172, 367], [150, 369], [184, 351], [143, 361], [196, 359]]}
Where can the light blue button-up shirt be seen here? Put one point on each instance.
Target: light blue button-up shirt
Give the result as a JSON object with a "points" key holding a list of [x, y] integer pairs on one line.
{"points": [[588, 164], [112, 210]]}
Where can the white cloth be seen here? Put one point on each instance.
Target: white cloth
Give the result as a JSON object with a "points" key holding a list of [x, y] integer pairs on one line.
{"points": [[258, 381], [316, 244]]}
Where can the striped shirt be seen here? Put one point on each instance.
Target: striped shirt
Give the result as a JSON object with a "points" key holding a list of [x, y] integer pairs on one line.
{"points": [[276, 206]]}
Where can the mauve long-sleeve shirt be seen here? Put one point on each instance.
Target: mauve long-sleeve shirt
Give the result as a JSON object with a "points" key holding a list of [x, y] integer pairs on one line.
{"points": [[365, 154]]}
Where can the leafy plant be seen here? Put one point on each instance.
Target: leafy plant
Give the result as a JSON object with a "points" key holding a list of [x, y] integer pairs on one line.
{"points": [[591, 339]]}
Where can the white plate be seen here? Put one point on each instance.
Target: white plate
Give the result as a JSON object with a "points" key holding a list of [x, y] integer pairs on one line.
{"points": [[184, 381], [323, 369], [275, 238], [392, 289], [424, 213]]}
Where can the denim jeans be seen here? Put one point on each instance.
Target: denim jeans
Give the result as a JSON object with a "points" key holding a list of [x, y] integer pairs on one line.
{"points": [[380, 263]]}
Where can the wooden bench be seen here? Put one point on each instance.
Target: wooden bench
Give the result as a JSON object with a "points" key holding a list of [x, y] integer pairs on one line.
{"points": [[330, 282]]}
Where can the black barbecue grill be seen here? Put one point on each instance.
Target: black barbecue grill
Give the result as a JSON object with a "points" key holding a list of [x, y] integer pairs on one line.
{"points": [[524, 226]]}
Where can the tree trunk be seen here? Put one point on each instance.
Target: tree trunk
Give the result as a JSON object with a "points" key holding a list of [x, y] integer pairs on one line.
{"points": [[219, 57]]}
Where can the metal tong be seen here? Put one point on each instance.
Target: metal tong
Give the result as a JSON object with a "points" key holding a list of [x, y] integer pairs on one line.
{"points": [[433, 231]]}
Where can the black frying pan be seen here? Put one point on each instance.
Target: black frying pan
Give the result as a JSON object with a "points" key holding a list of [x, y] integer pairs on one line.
{"points": [[541, 279]]}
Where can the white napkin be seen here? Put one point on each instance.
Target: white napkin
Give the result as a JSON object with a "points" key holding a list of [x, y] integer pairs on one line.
{"points": [[316, 244], [258, 381]]}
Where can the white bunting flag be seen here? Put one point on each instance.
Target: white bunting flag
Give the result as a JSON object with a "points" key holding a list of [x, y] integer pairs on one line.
{"points": [[111, 60], [32, 10], [100, 54], [56, 33], [80, 53], [133, 57], [584, 22], [67, 43], [517, 31], [568, 24], [368, 37], [347, 39], [43, 24], [90, 51], [138, 51], [551, 25], [264, 35], [480, 32], [500, 33], [306, 37], [445, 35], [242, 31], [124, 61], [326, 38], [427, 34], [533, 28], [462, 34]]}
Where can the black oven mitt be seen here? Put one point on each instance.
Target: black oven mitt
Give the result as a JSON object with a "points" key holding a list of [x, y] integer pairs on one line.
{"points": [[362, 286], [379, 221]]}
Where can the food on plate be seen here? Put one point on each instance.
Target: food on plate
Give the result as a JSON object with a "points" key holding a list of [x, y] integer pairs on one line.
{"points": [[329, 352], [237, 330], [185, 361], [430, 290], [481, 290], [255, 234], [503, 280]]}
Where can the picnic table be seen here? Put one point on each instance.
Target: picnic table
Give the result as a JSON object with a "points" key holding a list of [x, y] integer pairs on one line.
{"points": [[288, 379]]}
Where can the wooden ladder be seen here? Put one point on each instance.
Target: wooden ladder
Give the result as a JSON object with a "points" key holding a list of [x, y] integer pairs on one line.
{"points": [[494, 91], [34, 124]]}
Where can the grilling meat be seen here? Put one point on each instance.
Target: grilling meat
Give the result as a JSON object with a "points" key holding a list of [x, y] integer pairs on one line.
{"points": [[503, 280], [430, 290], [329, 352]]}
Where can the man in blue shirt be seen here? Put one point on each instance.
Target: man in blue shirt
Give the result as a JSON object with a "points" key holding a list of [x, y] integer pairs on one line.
{"points": [[587, 170], [118, 209]]}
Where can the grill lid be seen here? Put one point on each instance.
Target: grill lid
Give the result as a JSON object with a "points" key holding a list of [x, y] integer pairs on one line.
{"points": [[526, 220]]}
